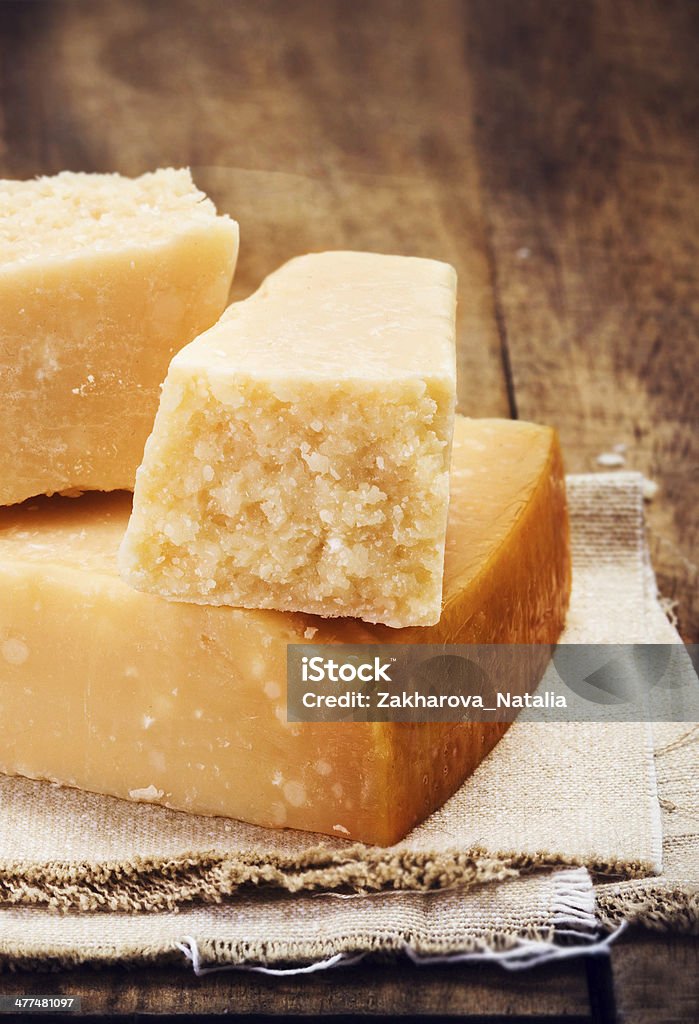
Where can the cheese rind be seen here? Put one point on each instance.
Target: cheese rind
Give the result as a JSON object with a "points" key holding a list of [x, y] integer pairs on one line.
{"points": [[102, 279], [300, 455], [122, 693]]}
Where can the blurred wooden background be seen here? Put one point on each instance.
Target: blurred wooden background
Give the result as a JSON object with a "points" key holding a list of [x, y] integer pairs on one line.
{"points": [[548, 148]]}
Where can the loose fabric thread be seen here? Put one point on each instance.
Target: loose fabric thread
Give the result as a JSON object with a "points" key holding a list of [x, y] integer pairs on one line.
{"points": [[191, 950]]}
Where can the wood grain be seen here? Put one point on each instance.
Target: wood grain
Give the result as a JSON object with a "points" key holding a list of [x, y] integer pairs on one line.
{"points": [[656, 980], [588, 144], [377, 990]]}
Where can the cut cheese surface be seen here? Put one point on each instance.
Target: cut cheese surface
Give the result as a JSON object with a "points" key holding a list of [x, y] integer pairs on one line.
{"points": [[300, 456], [102, 279], [123, 693]]}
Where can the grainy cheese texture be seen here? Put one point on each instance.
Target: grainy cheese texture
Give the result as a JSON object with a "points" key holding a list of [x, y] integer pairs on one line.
{"points": [[102, 279], [300, 456], [120, 692]]}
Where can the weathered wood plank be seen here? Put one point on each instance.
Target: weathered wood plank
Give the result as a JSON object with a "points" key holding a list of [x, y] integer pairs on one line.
{"points": [[587, 130], [377, 990], [656, 979]]}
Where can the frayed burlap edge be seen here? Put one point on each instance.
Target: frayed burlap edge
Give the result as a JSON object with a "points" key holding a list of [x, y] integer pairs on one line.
{"points": [[660, 908], [241, 954], [161, 884]]}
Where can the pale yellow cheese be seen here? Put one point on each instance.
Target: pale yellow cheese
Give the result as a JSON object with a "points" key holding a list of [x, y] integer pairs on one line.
{"points": [[300, 456], [102, 279], [112, 690]]}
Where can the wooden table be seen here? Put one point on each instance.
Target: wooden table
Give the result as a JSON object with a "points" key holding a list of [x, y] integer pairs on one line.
{"points": [[549, 150]]}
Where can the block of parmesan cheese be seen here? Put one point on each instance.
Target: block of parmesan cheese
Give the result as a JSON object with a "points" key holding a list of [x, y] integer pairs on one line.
{"points": [[300, 456], [102, 279], [119, 692]]}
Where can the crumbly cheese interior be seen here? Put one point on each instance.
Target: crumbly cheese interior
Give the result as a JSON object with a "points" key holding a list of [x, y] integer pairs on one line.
{"points": [[273, 510], [68, 212], [300, 456]]}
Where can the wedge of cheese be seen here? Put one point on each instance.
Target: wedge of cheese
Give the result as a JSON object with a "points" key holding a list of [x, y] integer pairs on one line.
{"points": [[102, 279], [300, 456], [120, 692]]}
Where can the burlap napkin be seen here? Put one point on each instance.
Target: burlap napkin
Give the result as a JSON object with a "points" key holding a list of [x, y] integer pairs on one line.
{"points": [[281, 928], [549, 796]]}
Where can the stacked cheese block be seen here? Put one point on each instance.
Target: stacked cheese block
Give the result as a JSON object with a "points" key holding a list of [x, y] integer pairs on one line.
{"points": [[306, 479]]}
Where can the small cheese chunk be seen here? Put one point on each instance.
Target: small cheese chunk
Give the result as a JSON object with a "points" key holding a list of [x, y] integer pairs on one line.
{"points": [[119, 692], [102, 280], [300, 456]]}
